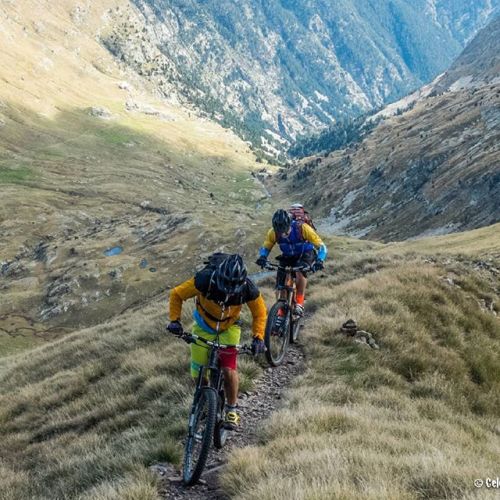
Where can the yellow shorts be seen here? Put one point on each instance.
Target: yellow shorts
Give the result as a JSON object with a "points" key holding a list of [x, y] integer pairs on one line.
{"points": [[199, 351]]}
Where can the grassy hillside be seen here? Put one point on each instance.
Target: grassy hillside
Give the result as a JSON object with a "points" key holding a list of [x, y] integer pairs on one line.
{"points": [[84, 416], [416, 419], [91, 160]]}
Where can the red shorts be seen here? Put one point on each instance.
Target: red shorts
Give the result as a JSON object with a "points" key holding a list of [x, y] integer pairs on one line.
{"points": [[228, 358]]}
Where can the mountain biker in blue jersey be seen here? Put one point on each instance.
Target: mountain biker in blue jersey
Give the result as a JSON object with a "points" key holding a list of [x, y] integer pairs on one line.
{"points": [[299, 244]]}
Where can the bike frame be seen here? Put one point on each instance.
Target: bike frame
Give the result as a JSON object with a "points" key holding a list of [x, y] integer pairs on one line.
{"points": [[214, 384], [287, 292], [216, 378], [286, 300]]}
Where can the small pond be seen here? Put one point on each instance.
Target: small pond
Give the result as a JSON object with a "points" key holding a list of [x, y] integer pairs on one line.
{"points": [[109, 252]]}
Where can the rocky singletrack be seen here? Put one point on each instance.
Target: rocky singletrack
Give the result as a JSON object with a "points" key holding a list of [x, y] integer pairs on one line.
{"points": [[255, 408]]}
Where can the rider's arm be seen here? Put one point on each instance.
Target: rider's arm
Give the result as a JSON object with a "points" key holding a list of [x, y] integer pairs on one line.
{"points": [[259, 316], [311, 235], [268, 244], [178, 295]]}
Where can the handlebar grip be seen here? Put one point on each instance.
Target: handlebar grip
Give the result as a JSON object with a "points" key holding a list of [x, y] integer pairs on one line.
{"points": [[188, 338]]}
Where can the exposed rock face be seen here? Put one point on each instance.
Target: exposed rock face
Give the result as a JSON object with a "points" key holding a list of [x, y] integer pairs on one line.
{"points": [[479, 63], [272, 70], [433, 169], [100, 112]]}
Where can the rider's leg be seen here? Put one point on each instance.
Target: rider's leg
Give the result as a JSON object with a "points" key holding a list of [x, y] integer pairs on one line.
{"points": [[301, 282], [228, 361], [301, 279], [231, 385], [199, 355], [280, 283]]}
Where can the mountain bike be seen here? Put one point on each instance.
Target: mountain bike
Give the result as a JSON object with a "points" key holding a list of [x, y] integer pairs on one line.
{"points": [[206, 418], [283, 326]]}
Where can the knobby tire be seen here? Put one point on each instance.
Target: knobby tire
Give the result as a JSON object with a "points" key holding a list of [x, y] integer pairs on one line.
{"points": [[193, 466], [270, 339]]}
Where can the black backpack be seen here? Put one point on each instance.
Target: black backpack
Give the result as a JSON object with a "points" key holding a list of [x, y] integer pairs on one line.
{"points": [[203, 283], [213, 261]]}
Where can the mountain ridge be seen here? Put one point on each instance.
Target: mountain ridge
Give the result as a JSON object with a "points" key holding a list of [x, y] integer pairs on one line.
{"points": [[430, 169], [273, 70]]}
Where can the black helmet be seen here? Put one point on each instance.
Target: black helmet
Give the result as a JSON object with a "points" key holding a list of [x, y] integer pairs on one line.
{"points": [[281, 221], [231, 275]]}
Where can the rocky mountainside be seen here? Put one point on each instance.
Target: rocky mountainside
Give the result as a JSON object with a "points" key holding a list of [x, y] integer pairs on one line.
{"points": [[478, 65], [276, 69], [432, 169]]}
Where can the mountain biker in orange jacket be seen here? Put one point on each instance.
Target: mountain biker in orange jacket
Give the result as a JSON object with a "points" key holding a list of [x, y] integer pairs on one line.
{"points": [[219, 295], [299, 244]]}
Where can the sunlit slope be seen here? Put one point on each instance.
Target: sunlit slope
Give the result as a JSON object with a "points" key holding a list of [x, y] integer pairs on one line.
{"points": [[417, 418], [482, 243], [88, 413], [90, 160]]}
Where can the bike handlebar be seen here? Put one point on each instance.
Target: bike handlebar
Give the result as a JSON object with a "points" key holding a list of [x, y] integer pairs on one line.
{"points": [[190, 338], [270, 266]]}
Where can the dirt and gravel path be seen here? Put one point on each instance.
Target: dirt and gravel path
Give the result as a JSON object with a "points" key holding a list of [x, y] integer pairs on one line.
{"points": [[255, 408]]}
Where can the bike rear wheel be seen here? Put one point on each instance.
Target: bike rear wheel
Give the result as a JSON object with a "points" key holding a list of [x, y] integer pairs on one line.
{"points": [[277, 333], [295, 329], [200, 431]]}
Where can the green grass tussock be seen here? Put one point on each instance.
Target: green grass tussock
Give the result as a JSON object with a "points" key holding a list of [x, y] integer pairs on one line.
{"points": [[15, 175]]}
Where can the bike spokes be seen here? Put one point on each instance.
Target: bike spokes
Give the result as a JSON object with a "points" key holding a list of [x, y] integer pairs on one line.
{"points": [[200, 432], [220, 432], [295, 328], [277, 333]]}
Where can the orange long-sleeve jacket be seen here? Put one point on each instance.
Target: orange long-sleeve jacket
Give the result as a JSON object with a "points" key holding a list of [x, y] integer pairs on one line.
{"points": [[219, 315]]}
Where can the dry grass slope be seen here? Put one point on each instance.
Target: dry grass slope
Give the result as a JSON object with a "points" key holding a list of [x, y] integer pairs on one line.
{"points": [[417, 419], [84, 416]]}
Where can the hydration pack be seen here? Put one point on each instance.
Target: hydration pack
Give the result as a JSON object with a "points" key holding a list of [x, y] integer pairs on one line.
{"points": [[213, 261], [301, 215]]}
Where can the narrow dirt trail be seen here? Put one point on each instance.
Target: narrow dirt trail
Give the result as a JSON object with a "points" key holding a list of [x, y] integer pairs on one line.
{"points": [[255, 408]]}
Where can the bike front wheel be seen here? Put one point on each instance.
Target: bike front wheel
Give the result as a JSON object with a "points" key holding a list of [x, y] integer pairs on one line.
{"points": [[200, 431], [277, 333]]}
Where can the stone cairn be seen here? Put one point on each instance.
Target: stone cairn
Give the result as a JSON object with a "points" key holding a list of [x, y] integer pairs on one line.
{"points": [[350, 329]]}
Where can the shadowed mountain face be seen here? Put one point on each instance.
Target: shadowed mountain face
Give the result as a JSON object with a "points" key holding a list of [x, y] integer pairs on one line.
{"points": [[276, 69], [433, 169]]}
